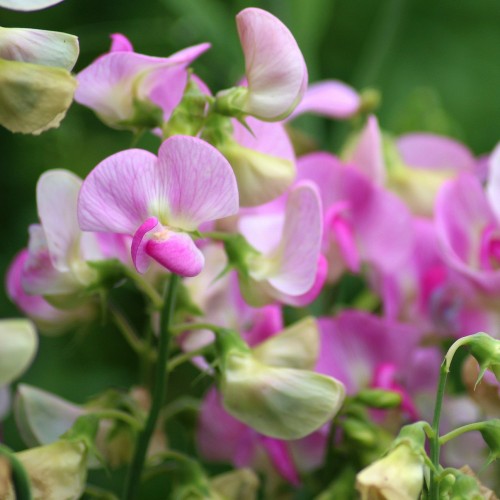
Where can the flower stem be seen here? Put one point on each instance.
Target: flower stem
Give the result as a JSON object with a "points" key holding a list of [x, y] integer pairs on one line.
{"points": [[434, 441], [133, 478], [476, 426], [20, 479]]}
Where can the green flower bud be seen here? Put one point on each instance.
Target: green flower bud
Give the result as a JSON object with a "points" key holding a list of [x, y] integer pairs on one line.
{"points": [[456, 486], [33, 98], [362, 433], [18, 345], [379, 398], [485, 349], [491, 436]]}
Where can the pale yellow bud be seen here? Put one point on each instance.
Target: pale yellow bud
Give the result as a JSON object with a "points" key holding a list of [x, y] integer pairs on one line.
{"points": [[18, 345], [295, 347], [33, 98], [57, 471], [239, 484], [284, 403], [397, 476]]}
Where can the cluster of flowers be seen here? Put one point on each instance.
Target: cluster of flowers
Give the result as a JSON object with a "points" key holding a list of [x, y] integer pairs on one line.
{"points": [[251, 237]]}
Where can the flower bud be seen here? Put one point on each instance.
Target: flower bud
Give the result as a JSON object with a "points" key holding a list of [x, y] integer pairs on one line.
{"points": [[57, 470], [239, 484], [284, 403], [491, 436], [485, 349], [18, 345], [379, 398], [399, 475], [295, 347], [33, 98], [458, 485]]}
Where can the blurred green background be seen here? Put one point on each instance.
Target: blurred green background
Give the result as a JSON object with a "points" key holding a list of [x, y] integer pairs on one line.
{"points": [[436, 64]]}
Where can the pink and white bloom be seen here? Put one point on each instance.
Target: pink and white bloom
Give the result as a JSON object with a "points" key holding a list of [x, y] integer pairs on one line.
{"points": [[468, 225], [285, 267], [159, 200], [274, 68], [130, 90]]}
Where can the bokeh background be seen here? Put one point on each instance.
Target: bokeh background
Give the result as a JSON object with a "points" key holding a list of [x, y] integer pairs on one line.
{"points": [[435, 64]]}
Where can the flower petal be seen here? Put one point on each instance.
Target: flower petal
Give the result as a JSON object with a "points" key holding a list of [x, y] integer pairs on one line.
{"points": [[57, 196], [493, 186], [331, 98], [176, 252], [27, 5], [298, 252], [115, 195], [33, 98], [367, 154], [48, 48], [18, 345], [138, 250], [275, 68], [433, 151], [195, 183], [120, 43]]}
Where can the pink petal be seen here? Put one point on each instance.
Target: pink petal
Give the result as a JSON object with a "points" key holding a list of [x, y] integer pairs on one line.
{"points": [[32, 305], [120, 43], [139, 256], [435, 152], [275, 68], [115, 196], [110, 83], [281, 458], [176, 252], [368, 154], [57, 195], [195, 181], [493, 186], [330, 98], [299, 249]]}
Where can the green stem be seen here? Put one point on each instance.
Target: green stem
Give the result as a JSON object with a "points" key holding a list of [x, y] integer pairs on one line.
{"points": [[144, 287], [186, 356], [434, 440], [126, 330], [118, 415], [20, 479], [476, 426], [133, 478], [185, 327]]}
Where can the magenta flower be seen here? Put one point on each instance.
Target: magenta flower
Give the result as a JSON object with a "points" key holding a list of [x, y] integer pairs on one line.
{"points": [[274, 68], [159, 200], [130, 90]]}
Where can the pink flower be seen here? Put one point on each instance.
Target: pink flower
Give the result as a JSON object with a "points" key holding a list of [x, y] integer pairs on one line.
{"points": [[130, 90], [159, 200], [274, 68]]}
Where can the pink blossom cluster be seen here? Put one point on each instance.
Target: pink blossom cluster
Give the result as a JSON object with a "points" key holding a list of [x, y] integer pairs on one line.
{"points": [[260, 234]]}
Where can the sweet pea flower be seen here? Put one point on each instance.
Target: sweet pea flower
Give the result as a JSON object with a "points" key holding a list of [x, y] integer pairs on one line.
{"points": [[133, 91], [36, 87], [362, 350], [359, 217], [468, 225], [160, 200], [274, 69], [283, 266], [58, 252]]}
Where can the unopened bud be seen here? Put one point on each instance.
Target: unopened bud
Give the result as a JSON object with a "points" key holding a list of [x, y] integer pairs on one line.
{"points": [[379, 398], [239, 484], [491, 436]]}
